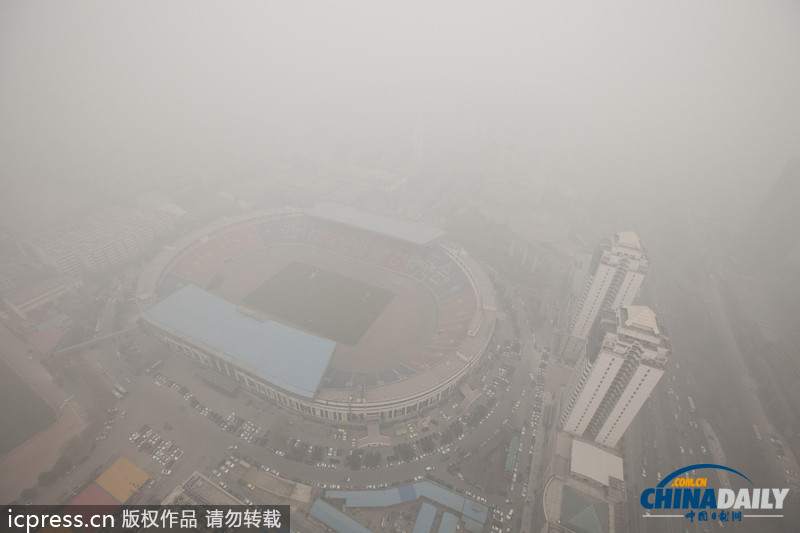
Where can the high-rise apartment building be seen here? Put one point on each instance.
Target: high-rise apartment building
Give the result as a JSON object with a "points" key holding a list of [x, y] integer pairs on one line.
{"points": [[615, 377], [619, 273]]}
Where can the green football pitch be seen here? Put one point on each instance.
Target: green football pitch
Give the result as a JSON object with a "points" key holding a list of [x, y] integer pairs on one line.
{"points": [[327, 304]]}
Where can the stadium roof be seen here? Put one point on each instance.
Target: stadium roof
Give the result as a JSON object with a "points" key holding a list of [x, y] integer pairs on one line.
{"points": [[412, 232], [288, 358], [335, 519], [594, 463]]}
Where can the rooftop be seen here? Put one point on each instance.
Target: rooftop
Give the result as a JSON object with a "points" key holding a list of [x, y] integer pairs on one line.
{"points": [[425, 518], [592, 462], [288, 358], [412, 232], [582, 513], [448, 524], [335, 519], [628, 239], [641, 317], [469, 509]]}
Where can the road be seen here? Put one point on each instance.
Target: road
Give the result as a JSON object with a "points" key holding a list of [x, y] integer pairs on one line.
{"points": [[705, 364]]}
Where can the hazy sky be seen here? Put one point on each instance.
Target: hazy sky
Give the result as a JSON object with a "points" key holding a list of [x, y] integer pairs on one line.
{"points": [[659, 94]]}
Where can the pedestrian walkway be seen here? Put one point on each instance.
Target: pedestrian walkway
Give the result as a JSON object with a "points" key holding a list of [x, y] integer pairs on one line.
{"points": [[470, 396], [374, 437]]}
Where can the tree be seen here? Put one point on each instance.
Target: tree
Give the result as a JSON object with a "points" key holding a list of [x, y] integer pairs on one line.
{"points": [[354, 461], [447, 437], [47, 478], [406, 452], [317, 452], [28, 494], [427, 444], [299, 452], [372, 459], [63, 465]]}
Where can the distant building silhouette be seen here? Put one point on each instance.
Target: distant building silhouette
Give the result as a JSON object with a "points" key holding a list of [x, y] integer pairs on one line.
{"points": [[771, 237], [100, 241]]}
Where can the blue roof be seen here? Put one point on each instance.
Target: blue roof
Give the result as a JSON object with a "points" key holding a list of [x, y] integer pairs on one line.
{"points": [[425, 518], [470, 510], [412, 232], [475, 511], [290, 359], [440, 495], [448, 524], [407, 493], [368, 498], [335, 519]]}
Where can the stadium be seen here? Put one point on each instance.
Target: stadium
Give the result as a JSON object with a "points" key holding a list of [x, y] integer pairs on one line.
{"points": [[332, 312]]}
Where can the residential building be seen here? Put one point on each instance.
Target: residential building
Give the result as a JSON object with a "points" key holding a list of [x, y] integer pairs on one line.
{"points": [[615, 378], [618, 274]]}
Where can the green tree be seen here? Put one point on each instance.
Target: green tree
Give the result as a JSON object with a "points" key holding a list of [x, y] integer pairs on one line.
{"points": [[354, 461], [63, 465], [447, 437], [299, 452], [47, 478], [427, 445], [407, 452], [372, 459], [317, 452]]}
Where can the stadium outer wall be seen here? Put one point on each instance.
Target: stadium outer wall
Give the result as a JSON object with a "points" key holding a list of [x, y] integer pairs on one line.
{"points": [[401, 400]]}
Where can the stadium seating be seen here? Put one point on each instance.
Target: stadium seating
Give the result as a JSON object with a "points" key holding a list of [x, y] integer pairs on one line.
{"points": [[202, 260]]}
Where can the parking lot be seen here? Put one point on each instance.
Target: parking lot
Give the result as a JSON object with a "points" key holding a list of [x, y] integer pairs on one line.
{"points": [[172, 423]]}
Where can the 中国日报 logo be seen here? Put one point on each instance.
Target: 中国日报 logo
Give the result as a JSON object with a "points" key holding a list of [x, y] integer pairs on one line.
{"points": [[697, 501]]}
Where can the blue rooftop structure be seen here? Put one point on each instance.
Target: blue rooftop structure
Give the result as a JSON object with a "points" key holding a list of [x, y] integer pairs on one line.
{"points": [[425, 518], [288, 358], [440, 495], [448, 524], [335, 519], [473, 513], [412, 232]]}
